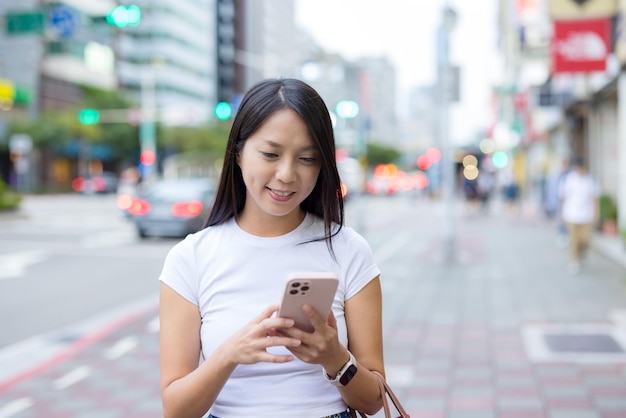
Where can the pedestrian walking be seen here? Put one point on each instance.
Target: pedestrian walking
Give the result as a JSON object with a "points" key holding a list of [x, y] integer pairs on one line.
{"points": [[552, 201], [278, 209], [484, 188], [579, 193]]}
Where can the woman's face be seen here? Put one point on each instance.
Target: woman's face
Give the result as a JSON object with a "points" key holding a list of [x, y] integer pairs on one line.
{"points": [[280, 165]]}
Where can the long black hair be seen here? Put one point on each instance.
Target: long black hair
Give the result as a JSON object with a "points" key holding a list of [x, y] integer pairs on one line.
{"points": [[259, 103]]}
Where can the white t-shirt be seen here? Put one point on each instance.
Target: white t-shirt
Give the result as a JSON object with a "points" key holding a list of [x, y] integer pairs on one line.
{"points": [[232, 276], [579, 193]]}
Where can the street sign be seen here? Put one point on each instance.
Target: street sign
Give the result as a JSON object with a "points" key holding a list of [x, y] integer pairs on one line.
{"points": [[581, 46], [18, 23], [64, 20]]}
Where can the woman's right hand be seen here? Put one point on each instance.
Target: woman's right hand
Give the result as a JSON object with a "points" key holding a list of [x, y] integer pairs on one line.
{"points": [[249, 345]]}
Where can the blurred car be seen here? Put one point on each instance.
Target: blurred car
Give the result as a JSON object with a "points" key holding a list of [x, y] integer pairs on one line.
{"points": [[172, 208], [104, 182]]}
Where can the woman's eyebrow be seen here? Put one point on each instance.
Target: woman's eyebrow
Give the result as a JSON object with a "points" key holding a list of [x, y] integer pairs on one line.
{"points": [[273, 144]]}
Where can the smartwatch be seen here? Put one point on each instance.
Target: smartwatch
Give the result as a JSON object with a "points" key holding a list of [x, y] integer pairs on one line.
{"points": [[344, 375]]}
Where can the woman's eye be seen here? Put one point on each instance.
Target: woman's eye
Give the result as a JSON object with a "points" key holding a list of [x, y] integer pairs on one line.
{"points": [[309, 159], [269, 154]]}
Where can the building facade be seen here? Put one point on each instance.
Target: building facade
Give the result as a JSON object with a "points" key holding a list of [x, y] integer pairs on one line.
{"points": [[572, 108], [172, 53]]}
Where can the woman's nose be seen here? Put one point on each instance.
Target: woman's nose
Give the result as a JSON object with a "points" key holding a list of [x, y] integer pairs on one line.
{"points": [[286, 171]]}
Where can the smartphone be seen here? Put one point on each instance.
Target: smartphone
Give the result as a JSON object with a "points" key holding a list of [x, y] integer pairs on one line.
{"points": [[314, 289]]}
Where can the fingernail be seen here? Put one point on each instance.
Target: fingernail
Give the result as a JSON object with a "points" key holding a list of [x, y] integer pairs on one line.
{"points": [[289, 322], [296, 343]]}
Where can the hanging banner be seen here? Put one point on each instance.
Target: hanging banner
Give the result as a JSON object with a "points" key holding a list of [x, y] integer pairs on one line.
{"points": [[581, 46]]}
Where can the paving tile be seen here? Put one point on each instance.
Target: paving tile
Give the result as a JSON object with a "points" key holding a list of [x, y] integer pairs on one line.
{"points": [[521, 413], [557, 402], [573, 413], [520, 402]]}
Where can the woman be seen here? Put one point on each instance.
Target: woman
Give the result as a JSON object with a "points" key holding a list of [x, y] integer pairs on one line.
{"points": [[278, 210]]}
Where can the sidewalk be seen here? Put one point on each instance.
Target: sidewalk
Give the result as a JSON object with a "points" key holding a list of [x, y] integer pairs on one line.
{"points": [[612, 247]]}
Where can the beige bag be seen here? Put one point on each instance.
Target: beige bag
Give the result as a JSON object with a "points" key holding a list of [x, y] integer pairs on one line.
{"points": [[385, 391]]}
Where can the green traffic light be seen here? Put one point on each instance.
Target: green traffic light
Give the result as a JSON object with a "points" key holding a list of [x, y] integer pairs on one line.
{"points": [[223, 111], [89, 116], [123, 16], [347, 109]]}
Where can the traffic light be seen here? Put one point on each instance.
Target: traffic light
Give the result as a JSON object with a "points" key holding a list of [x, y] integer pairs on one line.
{"points": [[223, 111], [123, 16], [500, 159], [347, 109], [89, 116]]}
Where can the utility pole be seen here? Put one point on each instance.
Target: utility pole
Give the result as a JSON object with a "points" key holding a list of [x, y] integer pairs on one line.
{"points": [[448, 23]]}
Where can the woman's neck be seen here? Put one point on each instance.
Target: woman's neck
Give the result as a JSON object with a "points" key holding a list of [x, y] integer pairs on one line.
{"points": [[265, 225]]}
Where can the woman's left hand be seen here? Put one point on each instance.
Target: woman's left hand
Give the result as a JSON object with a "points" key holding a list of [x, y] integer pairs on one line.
{"points": [[320, 346]]}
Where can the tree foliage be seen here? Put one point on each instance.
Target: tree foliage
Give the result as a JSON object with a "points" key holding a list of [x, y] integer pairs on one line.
{"points": [[189, 139], [54, 129], [381, 154]]}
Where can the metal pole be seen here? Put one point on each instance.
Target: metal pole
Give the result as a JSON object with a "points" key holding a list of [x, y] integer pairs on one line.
{"points": [[447, 151], [147, 129]]}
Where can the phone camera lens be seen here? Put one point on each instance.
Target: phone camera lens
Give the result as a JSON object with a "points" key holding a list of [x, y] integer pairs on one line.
{"points": [[293, 292], [295, 284], [305, 288]]}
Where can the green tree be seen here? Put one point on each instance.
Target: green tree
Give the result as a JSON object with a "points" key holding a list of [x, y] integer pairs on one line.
{"points": [[381, 154], [121, 137], [186, 139], [54, 128]]}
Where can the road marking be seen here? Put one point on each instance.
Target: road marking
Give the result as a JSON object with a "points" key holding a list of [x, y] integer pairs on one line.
{"points": [[72, 377], [15, 407], [121, 347], [31, 357], [154, 326], [14, 264]]}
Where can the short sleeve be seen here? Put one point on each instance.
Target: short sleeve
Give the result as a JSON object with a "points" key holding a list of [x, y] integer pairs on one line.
{"points": [[179, 270], [361, 267]]}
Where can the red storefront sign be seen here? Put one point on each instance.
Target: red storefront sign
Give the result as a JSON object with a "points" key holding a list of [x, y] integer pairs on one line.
{"points": [[581, 45]]}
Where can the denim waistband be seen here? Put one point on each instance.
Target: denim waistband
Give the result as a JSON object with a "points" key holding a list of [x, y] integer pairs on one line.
{"points": [[342, 414]]}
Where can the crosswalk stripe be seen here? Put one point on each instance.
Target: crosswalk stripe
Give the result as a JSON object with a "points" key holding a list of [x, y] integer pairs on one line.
{"points": [[15, 407], [72, 377], [122, 347], [14, 264]]}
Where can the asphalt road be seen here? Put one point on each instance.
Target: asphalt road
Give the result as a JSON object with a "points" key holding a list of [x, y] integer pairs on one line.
{"points": [[65, 258]]}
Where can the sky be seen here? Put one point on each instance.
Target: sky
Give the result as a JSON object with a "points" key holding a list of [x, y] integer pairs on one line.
{"points": [[405, 31]]}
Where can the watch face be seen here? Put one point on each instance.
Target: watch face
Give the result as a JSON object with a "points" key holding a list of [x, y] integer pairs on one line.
{"points": [[348, 375]]}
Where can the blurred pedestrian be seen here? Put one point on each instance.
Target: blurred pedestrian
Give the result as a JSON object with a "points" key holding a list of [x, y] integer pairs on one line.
{"points": [[470, 191], [552, 201], [579, 193], [278, 209], [484, 187], [510, 189]]}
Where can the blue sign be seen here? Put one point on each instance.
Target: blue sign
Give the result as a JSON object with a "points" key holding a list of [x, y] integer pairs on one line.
{"points": [[64, 20]]}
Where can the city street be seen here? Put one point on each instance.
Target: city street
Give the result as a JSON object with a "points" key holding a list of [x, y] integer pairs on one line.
{"points": [[502, 331]]}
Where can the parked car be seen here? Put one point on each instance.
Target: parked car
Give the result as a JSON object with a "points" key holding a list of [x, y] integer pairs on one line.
{"points": [[105, 182], [172, 208]]}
